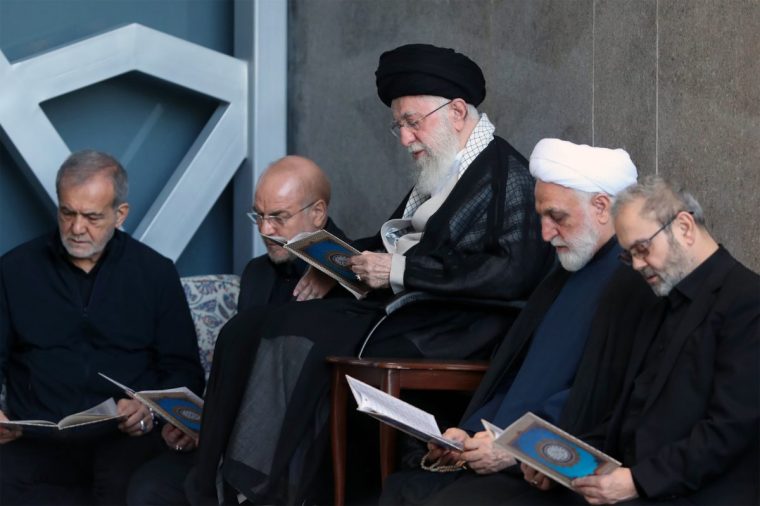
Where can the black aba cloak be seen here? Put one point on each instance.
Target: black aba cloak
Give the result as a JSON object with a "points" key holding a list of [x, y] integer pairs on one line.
{"points": [[483, 242]]}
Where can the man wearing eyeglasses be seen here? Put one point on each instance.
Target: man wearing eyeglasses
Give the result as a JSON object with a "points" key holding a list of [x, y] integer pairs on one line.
{"points": [[466, 230], [292, 197], [565, 356], [688, 422]]}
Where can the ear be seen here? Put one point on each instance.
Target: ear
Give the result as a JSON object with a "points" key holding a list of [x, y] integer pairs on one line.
{"points": [[685, 228], [121, 214], [318, 214], [458, 113], [603, 208]]}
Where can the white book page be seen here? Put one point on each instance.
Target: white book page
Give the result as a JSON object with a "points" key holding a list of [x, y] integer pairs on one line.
{"points": [[371, 399]]}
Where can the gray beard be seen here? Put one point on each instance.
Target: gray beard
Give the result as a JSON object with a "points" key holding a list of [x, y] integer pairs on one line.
{"points": [[582, 248], [438, 166], [677, 267]]}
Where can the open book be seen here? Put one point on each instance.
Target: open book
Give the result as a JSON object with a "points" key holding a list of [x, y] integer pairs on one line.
{"points": [[177, 406], [399, 414], [550, 450], [323, 251], [103, 412]]}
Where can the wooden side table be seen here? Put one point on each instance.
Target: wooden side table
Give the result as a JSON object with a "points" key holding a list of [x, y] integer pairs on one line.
{"points": [[390, 376]]}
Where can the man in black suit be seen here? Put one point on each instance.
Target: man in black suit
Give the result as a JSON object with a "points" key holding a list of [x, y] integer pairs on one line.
{"points": [[292, 197], [686, 426]]}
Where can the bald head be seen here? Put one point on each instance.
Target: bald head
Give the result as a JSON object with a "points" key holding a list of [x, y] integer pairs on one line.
{"points": [[292, 197], [297, 176]]}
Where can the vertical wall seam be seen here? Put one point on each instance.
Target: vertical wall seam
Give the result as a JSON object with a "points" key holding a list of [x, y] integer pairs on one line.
{"points": [[593, 72], [657, 87]]}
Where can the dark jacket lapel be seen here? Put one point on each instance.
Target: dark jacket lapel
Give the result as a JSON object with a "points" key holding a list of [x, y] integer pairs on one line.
{"points": [[696, 313]]}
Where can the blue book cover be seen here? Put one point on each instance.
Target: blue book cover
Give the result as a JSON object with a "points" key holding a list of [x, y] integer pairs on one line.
{"points": [[550, 450]]}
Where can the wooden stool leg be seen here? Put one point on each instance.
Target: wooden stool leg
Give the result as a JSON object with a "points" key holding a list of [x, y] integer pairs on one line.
{"points": [[338, 433], [391, 385]]}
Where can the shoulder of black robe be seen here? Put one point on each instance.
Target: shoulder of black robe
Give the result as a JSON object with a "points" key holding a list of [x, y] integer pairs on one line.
{"points": [[599, 381], [513, 346], [485, 239]]}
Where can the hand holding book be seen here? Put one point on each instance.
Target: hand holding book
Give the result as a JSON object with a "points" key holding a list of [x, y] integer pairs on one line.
{"points": [[10, 433], [323, 251]]}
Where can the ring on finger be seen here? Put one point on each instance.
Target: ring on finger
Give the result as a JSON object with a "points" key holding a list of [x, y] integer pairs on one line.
{"points": [[178, 448], [143, 427]]}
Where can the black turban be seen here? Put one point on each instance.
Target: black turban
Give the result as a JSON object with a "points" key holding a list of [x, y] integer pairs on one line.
{"points": [[422, 69]]}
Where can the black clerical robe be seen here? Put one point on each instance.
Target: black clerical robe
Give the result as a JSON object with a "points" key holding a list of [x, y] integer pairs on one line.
{"points": [[484, 241], [594, 391]]}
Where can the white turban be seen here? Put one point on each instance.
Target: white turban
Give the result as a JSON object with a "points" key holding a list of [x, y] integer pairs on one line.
{"points": [[582, 167]]}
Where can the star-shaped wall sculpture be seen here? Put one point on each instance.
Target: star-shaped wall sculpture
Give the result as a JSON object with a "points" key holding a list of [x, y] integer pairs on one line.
{"points": [[203, 173]]}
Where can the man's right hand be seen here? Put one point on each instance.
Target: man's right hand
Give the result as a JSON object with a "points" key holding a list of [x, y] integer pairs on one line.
{"points": [[446, 456], [176, 439], [7, 435], [535, 478], [314, 284]]}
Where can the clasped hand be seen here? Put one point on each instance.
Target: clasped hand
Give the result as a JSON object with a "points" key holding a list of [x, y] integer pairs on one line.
{"points": [[480, 453]]}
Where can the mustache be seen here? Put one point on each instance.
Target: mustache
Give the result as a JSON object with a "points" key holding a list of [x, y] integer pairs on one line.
{"points": [[558, 242], [416, 146]]}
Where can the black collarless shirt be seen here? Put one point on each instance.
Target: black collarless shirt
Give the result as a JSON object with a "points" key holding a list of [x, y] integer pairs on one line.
{"points": [[85, 281], [676, 305]]}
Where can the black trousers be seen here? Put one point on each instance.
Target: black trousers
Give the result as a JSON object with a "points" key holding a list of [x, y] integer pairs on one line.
{"points": [[72, 472], [161, 481]]}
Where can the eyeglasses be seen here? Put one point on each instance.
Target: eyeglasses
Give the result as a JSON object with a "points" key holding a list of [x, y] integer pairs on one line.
{"points": [[413, 124], [276, 220], [640, 249]]}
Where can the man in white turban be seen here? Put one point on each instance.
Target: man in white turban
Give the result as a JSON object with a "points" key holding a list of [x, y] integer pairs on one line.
{"points": [[565, 356]]}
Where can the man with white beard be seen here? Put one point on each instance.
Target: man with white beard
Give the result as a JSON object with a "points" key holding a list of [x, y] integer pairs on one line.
{"points": [[565, 356], [466, 230]]}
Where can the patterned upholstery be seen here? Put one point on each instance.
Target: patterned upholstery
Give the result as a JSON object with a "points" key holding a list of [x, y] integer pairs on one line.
{"points": [[213, 301]]}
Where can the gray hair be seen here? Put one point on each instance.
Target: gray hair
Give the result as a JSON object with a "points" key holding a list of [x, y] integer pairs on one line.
{"points": [[662, 199], [82, 165], [435, 101]]}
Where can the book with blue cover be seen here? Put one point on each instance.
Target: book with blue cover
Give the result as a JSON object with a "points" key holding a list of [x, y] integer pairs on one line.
{"points": [[327, 253], [177, 406], [550, 450]]}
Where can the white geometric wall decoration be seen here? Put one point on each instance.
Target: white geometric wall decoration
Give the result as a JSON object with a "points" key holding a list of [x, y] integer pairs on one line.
{"points": [[203, 173]]}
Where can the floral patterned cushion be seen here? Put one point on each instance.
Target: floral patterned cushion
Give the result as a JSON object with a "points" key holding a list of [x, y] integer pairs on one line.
{"points": [[213, 301]]}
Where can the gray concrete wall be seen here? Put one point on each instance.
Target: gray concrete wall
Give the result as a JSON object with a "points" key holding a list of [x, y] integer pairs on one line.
{"points": [[675, 82]]}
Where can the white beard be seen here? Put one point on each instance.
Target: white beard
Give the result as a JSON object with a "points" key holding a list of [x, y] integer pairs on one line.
{"points": [[437, 166], [581, 248]]}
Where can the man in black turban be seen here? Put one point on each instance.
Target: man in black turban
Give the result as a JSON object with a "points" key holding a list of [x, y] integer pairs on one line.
{"points": [[422, 69], [467, 230]]}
